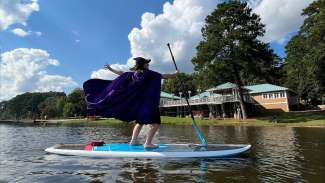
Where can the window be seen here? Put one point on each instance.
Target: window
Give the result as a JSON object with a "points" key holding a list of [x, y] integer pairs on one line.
{"points": [[270, 95], [276, 95]]}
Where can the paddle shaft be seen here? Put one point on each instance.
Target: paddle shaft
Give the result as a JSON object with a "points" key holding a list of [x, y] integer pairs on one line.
{"points": [[196, 128]]}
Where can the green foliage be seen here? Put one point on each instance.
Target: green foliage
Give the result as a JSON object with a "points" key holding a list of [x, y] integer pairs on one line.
{"points": [[69, 110], [49, 104], [230, 44], [60, 102], [4, 112], [77, 99], [175, 85], [52, 107], [27, 105], [305, 62]]}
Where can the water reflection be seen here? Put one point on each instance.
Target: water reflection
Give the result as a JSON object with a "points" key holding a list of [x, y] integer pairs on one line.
{"points": [[139, 171], [278, 155], [311, 153]]}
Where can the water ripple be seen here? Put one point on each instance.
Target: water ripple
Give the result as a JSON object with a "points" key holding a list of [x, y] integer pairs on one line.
{"points": [[278, 155]]}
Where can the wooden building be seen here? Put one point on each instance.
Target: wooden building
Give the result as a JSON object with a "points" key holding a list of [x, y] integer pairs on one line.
{"points": [[222, 101], [273, 97]]}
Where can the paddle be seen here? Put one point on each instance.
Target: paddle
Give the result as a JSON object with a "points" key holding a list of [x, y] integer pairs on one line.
{"points": [[196, 128]]}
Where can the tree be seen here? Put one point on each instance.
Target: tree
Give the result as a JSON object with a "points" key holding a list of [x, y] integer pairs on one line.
{"points": [[69, 110], [4, 112], [61, 101], [231, 51], [305, 61], [52, 106], [77, 99], [174, 85], [27, 104]]}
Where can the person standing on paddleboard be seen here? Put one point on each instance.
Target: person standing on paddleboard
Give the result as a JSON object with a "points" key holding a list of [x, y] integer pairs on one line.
{"points": [[133, 96]]}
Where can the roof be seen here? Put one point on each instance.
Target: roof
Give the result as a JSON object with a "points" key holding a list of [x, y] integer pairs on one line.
{"points": [[204, 94], [223, 86], [261, 88], [168, 95]]}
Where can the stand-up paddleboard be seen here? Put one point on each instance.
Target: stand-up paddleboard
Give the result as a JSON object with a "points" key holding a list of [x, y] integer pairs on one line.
{"points": [[138, 151]]}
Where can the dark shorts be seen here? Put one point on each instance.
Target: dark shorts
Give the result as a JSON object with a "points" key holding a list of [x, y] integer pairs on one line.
{"points": [[157, 119]]}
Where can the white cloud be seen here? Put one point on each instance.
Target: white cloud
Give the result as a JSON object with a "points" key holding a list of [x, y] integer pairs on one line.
{"points": [[20, 32], [24, 70], [16, 12], [281, 17], [180, 25], [54, 83], [77, 40], [181, 22], [106, 74]]}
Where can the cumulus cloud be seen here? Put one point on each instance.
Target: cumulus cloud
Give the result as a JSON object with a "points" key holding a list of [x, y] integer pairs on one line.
{"points": [[180, 24], [16, 12], [281, 18], [24, 70]]}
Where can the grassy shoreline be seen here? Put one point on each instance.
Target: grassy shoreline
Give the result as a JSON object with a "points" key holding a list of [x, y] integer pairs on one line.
{"points": [[292, 119]]}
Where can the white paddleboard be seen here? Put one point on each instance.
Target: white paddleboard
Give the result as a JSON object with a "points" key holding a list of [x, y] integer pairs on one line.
{"points": [[138, 151]]}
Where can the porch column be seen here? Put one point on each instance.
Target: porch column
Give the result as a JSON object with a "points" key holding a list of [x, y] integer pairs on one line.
{"points": [[223, 111]]}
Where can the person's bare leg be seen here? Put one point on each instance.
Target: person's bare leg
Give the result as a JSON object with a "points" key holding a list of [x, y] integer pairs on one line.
{"points": [[150, 135], [136, 130]]}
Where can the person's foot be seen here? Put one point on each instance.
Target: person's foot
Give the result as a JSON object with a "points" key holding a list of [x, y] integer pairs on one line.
{"points": [[134, 143], [150, 146]]}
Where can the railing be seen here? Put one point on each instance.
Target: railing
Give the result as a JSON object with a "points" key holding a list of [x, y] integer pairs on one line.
{"points": [[201, 101]]}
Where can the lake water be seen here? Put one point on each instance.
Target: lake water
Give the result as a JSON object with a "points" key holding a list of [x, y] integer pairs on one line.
{"points": [[279, 154]]}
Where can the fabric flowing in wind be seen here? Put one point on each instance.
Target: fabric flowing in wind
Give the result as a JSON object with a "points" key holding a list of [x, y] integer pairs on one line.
{"points": [[131, 96]]}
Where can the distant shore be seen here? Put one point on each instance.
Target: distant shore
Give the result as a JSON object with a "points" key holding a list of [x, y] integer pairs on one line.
{"points": [[291, 119]]}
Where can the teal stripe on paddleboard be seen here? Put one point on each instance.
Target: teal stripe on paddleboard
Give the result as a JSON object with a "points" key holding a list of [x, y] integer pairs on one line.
{"points": [[127, 148]]}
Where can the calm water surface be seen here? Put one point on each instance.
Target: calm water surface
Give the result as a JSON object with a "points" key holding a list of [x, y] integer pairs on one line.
{"points": [[279, 154]]}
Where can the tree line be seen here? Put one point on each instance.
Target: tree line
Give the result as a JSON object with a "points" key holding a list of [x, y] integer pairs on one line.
{"points": [[44, 105]]}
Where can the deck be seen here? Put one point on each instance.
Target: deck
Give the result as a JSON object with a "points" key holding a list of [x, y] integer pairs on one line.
{"points": [[201, 101]]}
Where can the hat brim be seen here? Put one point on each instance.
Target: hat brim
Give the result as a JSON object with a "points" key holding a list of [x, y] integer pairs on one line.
{"points": [[147, 61], [141, 59]]}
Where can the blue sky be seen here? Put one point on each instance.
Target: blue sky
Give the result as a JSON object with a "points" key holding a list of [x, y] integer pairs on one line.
{"points": [[101, 27], [58, 44]]}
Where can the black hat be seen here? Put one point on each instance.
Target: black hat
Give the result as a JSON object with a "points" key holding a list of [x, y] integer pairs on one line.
{"points": [[140, 60], [139, 63]]}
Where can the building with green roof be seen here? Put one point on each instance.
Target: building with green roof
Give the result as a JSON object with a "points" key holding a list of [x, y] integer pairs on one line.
{"points": [[264, 88], [223, 100], [166, 95]]}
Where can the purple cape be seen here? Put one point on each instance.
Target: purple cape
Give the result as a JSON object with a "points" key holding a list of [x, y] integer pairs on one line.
{"points": [[131, 96]]}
